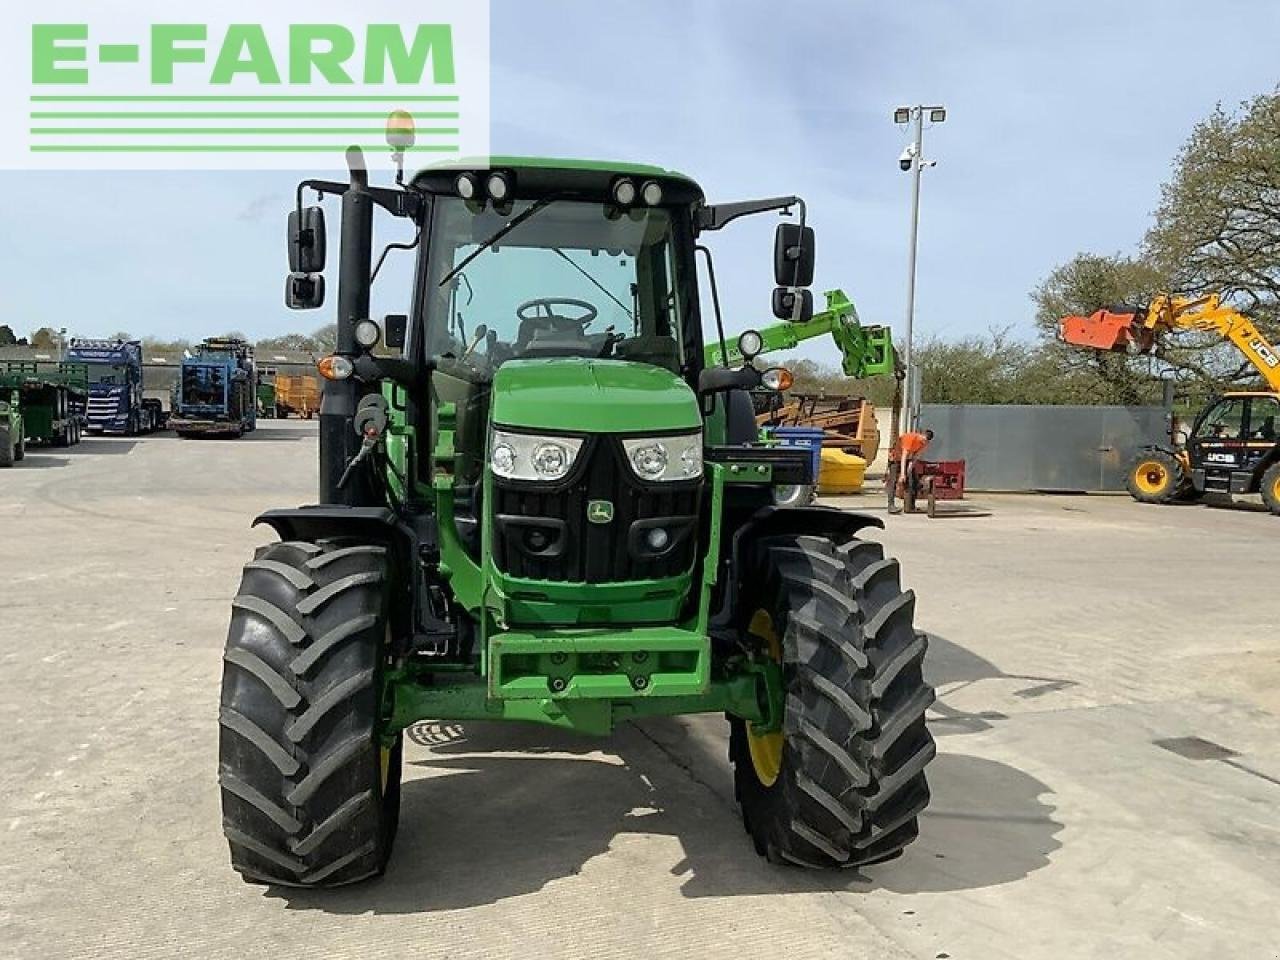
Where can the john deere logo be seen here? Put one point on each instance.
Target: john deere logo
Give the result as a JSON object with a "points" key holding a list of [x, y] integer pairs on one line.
{"points": [[600, 511]]}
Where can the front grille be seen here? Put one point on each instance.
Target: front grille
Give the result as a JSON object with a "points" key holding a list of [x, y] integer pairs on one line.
{"points": [[579, 551]]}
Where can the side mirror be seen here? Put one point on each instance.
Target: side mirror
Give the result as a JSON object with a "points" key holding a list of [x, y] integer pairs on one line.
{"points": [[395, 327], [793, 255], [306, 240], [304, 291], [785, 302]]}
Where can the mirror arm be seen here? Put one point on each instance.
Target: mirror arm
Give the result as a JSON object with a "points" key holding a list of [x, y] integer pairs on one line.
{"points": [[715, 216]]}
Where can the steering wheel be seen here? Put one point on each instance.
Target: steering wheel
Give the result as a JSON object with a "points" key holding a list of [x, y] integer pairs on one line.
{"points": [[541, 316], [526, 312]]}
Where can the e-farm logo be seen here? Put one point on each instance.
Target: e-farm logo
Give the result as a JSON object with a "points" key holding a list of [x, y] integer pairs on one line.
{"points": [[130, 92]]}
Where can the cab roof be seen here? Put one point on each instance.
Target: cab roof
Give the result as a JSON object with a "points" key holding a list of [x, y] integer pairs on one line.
{"points": [[572, 168]]}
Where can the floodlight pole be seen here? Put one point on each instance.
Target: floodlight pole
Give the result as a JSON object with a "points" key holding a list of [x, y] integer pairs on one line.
{"points": [[910, 388]]}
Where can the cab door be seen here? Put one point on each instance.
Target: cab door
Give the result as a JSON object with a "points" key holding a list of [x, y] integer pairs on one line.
{"points": [[1262, 434], [1217, 445]]}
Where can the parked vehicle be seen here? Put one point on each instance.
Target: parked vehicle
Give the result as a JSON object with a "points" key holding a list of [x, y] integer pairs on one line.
{"points": [[267, 409], [50, 396], [297, 395], [217, 390], [12, 444], [541, 511], [116, 400]]}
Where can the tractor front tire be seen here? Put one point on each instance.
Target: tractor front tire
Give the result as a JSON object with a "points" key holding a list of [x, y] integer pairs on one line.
{"points": [[310, 790], [843, 782], [6, 448], [1270, 488], [1156, 476], [20, 450]]}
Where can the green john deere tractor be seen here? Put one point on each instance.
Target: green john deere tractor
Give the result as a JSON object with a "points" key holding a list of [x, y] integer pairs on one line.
{"points": [[539, 502], [13, 444]]}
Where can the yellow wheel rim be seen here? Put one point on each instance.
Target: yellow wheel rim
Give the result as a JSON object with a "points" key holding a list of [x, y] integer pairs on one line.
{"points": [[766, 748], [1151, 476], [1275, 490], [384, 768]]}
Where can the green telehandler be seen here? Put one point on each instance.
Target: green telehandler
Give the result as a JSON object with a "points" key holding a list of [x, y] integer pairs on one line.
{"points": [[536, 505]]}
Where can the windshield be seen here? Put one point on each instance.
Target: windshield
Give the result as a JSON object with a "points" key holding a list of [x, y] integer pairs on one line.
{"points": [[107, 373], [1224, 421], [570, 280], [203, 385]]}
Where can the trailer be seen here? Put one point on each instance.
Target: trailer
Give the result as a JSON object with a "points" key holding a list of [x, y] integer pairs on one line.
{"points": [[116, 401], [299, 395], [51, 398], [216, 394]]}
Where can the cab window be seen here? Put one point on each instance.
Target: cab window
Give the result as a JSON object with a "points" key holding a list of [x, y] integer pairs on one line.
{"points": [[1264, 418], [1224, 421]]}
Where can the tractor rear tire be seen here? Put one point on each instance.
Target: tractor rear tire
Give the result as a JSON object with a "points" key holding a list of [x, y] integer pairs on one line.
{"points": [[1156, 476], [310, 791], [843, 783], [1270, 488]]}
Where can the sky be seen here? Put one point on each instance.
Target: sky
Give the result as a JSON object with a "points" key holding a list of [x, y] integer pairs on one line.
{"points": [[1063, 120]]}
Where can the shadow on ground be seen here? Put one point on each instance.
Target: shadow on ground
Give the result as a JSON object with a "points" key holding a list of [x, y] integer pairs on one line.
{"points": [[102, 446], [275, 433], [39, 460], [505, 810], [950, 668]]}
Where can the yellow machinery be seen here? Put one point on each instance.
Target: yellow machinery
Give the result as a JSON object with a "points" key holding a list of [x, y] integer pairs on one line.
{"points": [[1234, 446]]}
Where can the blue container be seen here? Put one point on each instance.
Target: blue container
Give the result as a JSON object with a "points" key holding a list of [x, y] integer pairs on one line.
{"points": [[803, 437]]}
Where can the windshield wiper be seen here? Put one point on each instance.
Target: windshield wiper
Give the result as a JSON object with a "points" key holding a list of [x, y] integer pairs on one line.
{"points": [[598, 285], [506, 228]]}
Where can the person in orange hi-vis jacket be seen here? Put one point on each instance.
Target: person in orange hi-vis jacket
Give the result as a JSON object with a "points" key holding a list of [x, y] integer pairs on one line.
{"points": [[909, 446]]}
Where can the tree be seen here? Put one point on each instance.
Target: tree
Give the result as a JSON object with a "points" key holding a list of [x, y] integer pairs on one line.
{"points": [[46, 338], [1217, 229], [7, 337], [326, 337], [301, 342]]}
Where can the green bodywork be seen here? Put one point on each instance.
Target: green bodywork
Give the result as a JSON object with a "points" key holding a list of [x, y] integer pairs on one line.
{"points": [[865, 351], [573, 395], [44, 392], [572, 654]]}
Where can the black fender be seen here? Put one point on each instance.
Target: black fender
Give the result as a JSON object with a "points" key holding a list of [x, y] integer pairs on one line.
{"points": [[322, 521], [839, 526]]}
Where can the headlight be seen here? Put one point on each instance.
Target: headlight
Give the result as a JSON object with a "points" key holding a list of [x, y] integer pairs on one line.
{"points": [[665, 458], [523, 456], [750, 343]]}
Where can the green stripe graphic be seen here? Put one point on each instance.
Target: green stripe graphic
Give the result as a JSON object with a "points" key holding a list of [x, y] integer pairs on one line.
{"points": [[242, 99]]}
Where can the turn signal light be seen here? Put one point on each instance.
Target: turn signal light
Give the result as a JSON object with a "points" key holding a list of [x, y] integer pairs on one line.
{"points": [[778, 379], [335, 367]]}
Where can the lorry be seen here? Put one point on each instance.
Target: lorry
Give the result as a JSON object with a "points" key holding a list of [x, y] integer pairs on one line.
{"points": [[51, 397], [534, 507], [116, 398], [216, 395]]}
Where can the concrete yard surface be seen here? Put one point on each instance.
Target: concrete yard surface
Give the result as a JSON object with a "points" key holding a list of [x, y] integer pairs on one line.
{"points": [[1107, 785]]}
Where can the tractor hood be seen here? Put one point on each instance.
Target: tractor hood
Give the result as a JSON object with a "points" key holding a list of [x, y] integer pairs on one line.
{"points": [[572, 394]]}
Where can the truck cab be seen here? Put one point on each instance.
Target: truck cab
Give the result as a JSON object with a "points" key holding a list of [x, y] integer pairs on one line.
{"points": [[115, 403]]}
